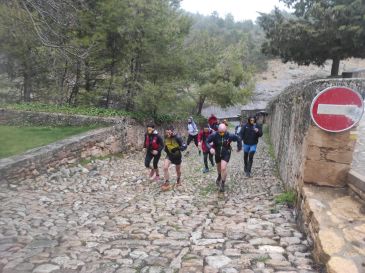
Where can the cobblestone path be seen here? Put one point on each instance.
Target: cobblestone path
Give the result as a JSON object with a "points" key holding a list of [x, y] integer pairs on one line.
{"points": [[105, 216]]}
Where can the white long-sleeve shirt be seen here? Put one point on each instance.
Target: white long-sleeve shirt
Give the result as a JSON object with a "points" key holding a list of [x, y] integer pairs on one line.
{"points": [[192, 129]]}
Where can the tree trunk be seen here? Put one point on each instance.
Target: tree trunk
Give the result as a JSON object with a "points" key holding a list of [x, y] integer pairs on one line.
{"points": [[110, 88], [75, 88], [27, 84], [88, 84], [200, 104], [63, 79], [335, 66]]}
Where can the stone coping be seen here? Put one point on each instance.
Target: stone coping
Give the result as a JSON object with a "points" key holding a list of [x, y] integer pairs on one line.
{"points": [[336, 222], [356, 182]]}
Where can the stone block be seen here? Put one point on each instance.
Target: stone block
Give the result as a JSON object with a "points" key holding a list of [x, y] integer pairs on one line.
{"points": [[320, 138], [313, 153], [325, 173], [340, 156], [341, 265]]}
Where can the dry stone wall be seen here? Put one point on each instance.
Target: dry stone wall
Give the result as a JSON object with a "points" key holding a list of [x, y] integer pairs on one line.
{"points": [[289, 125], [119, 135]]}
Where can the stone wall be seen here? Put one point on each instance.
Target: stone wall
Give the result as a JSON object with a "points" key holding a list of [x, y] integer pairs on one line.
{"points": [[317, 164], [95, 143], [122, 135], [290, 122]]}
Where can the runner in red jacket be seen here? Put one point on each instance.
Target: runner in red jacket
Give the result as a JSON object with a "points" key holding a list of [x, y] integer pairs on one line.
{"points": [[202, 137]]}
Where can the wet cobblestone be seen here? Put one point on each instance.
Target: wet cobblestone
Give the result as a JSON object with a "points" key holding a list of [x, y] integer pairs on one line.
{"points": [[105, 216]]}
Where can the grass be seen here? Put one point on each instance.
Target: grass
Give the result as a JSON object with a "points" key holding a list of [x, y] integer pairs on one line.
{"points": [[263, 259], [15, 140], [288, 198]]}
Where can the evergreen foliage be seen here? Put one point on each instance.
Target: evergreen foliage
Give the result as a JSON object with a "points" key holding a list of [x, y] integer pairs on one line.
{"points": [[141, 56], [316, 31]]}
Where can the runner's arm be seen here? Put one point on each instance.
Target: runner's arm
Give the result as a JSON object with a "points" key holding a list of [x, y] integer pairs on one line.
{"points": [[181, 143], [259, 133], [161, 143], [237, 139], [209, 140]]}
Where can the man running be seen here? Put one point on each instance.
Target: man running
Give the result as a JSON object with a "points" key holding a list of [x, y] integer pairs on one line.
{"points": [[202, 139], [250, 134], [153, 144], [222, 150], [174, 145], [193, 133]]}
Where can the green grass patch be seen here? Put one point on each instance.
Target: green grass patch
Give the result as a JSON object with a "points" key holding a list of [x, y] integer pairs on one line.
{"points": [[263, 259], [288, 198], [15, 140]]}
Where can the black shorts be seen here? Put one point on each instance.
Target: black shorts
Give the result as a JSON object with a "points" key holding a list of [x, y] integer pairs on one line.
{"points": [[224, 155], [176, 160]]}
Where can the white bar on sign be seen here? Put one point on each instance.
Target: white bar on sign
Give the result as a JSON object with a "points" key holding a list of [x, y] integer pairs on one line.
{"points": [[351, 111]]}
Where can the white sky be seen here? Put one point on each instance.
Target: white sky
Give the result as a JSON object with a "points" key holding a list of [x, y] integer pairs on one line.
{"points": [[240, 9]]}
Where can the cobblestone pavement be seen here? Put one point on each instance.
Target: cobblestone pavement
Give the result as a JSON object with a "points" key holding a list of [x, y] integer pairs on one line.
{"points": [[105, 216], [358, 163]]}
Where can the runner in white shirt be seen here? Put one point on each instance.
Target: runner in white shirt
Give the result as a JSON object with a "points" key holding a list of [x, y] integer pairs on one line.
{"points": [[193, 133]]}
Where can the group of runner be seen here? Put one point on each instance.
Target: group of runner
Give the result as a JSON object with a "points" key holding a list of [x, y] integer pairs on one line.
{"points": [[213, 140]]}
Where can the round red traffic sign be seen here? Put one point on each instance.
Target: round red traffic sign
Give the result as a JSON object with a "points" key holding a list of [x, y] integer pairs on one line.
{"points": [[337, 109]]}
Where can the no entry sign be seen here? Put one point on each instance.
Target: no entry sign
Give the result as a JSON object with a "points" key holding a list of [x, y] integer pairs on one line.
{"points": [[337, 109]]}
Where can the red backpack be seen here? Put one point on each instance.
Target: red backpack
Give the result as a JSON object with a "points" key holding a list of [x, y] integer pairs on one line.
{"points": [[153, 145]]}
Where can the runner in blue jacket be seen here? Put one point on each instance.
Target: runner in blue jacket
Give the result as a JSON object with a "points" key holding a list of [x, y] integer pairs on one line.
{"points": [[250, 134]]}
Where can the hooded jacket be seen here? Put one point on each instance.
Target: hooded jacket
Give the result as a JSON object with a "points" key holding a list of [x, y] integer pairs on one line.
{"points": [[192, 128], [248, 134]]}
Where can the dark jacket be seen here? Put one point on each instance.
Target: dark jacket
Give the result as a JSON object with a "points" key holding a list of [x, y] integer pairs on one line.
{"points": [[248, 134], [223, 142], [153, 141]]}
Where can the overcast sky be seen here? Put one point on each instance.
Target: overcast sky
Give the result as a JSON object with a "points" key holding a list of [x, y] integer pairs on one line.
{"points": [[240, 9]]}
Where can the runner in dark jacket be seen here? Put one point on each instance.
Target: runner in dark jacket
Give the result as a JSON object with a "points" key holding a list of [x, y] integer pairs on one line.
{"points": [[153, 144], [222, 150], [174, 145], [250, 134]]}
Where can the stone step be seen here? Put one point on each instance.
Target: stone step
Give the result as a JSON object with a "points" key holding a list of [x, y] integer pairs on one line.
{"points": [[356, 182], [336, 223]]}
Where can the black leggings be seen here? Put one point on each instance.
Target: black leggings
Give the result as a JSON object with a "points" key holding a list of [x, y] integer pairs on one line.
{"points": [[190, 138], [206, 159], [149, 157], [248, 160]]}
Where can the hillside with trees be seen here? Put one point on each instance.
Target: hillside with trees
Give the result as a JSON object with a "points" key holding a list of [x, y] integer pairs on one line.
{"points": [[145, 56]]}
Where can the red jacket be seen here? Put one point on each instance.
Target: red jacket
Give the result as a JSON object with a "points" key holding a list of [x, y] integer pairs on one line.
{"points": [[202, 137]]}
